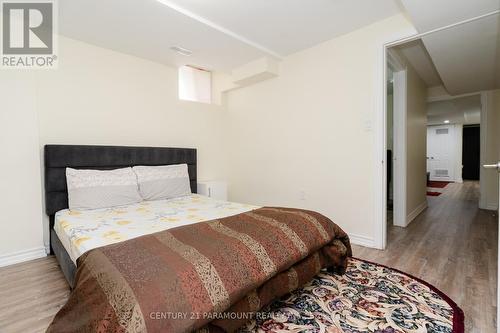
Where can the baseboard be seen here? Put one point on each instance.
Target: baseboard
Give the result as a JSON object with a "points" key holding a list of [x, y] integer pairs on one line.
{"points": [[416, 212], [491, 206], [21, 256], [362, 240]]}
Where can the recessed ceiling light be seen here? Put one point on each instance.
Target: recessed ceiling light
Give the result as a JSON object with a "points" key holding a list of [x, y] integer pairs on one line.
{"points": [[182, 51], [446, 121]]}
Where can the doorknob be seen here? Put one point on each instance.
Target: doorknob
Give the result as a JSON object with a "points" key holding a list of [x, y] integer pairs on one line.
{"points": [[492, 166]]}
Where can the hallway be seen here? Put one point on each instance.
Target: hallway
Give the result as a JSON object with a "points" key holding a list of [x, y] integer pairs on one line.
{"points": [[452, 245]]}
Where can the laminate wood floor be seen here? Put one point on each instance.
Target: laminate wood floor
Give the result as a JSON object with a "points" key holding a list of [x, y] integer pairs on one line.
{"points": [[451, 245]]}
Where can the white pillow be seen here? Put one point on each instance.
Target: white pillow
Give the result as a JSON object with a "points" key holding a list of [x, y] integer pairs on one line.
{"points": [[163, 182], [92, 189]]}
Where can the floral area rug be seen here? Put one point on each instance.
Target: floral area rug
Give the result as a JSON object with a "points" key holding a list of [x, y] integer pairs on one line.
{"points": [[369, 298]]}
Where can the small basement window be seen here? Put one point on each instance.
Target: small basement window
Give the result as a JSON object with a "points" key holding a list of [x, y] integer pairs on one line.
{"points": [[195, 84]]}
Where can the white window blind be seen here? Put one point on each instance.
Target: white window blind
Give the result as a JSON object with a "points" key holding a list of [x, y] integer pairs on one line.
{"points": [[195, 84]]}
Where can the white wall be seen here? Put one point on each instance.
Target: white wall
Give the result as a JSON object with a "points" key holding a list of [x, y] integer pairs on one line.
{"points": [[416, 144], [96, 96], [20, 192], [303, 139], [306, 138]]}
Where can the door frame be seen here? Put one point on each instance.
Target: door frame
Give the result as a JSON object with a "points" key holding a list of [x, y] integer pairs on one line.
{"points": [[380, 135]]}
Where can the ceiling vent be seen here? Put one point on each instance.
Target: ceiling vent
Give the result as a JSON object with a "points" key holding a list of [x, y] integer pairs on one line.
{"points": [[182, 51]]}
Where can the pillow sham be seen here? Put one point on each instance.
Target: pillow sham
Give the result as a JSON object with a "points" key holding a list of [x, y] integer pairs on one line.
{"points": [[163, 181], [92, 189]]}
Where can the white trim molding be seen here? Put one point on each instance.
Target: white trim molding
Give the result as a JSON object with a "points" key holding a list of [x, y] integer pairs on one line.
{"points": [[22, 256], [458, 137], [416, 212], [380, 135], [491, 206], [449, 97], [362, 240]]}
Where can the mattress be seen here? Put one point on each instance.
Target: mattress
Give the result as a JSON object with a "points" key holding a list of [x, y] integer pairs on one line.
{"points": [[81, 231]]}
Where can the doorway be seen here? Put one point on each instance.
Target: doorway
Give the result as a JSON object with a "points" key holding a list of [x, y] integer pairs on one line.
{"points": [[471, 157], [455, 107]]}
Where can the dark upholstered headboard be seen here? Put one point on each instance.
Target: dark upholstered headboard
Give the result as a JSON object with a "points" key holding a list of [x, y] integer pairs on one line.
{"points": [[59, 157]]}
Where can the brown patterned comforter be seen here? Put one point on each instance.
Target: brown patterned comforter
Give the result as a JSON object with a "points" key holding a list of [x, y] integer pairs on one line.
{"points": [[211, 275]]}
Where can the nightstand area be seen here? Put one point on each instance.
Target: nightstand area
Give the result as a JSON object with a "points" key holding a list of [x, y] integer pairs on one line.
{"points": [[216, 189]]}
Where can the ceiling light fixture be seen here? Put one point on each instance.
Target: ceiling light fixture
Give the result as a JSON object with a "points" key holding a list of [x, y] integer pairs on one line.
{"points": [[446, 121], [182, 51]]}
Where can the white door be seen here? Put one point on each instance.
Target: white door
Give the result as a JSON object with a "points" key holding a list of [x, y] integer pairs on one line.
{"points": [[497, 167], [498, 256], [440, 152]]}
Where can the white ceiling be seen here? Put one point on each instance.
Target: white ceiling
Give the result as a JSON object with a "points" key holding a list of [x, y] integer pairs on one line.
{"points": [[467, 57], [222, 34], [288, 26], [147, 29], [463, 110], [416, 54], [428, 15], [225, 34]]}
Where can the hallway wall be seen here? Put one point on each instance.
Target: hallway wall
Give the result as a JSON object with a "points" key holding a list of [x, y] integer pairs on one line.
{"points": [[416, 145]]}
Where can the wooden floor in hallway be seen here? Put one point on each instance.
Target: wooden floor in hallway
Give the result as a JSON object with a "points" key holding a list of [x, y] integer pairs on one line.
{"points": [[451, 245]]}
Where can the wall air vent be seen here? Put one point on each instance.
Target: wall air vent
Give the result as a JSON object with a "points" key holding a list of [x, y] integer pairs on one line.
{"points": [[442, 131], [441, 173]]}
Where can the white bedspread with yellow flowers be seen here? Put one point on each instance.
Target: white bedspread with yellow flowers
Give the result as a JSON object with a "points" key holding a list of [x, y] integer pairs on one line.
{"points": [[81, 231]]}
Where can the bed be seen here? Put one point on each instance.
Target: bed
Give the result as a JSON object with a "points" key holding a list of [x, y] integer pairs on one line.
{"points": [[59, 157], [211, 257], [85, 230]]}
